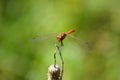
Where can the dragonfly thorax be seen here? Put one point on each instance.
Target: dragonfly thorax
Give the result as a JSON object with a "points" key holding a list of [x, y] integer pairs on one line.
{"points": [[61, 36]]}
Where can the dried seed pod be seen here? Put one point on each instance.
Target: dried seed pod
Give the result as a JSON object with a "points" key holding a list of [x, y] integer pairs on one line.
{"points": [[54, 72]]}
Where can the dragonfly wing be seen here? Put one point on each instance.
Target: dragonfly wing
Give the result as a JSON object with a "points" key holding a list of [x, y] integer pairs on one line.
{"points": [[81, 42], [41, 38]]}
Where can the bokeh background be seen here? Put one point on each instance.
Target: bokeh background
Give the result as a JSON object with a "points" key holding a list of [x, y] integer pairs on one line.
{"points": [[96, 22]]}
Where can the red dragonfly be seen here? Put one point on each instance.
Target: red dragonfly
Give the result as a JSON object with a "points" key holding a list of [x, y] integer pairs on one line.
{"points": [[61, 36]]}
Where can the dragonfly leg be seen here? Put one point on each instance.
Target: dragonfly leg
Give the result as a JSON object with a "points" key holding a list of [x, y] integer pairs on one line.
{"points": [[61, 43]]}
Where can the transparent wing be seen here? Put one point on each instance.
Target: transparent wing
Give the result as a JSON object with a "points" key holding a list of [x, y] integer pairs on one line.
{"points": [[44, 37], [81, 42]]}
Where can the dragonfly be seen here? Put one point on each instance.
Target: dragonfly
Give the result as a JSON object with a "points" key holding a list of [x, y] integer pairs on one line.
{"points": [[61, 36]]}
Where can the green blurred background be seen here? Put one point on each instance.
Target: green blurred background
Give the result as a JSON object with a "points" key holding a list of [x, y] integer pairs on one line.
{"points": [[95, 21]]}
